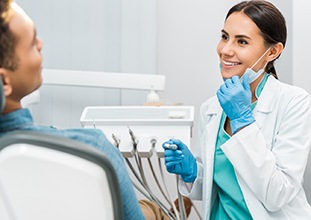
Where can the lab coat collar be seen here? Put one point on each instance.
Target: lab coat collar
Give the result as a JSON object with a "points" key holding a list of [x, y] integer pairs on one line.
{"points": [[266, 101], [267, 98]]}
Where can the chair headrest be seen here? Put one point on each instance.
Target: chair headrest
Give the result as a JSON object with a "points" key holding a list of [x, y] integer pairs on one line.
{"points": [[2, 97]]}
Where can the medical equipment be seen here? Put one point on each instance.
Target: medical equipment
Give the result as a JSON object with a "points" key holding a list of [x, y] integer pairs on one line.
{"points": [[137, 81], [170, 146], [138, 132], [252, 74], [181, 162]]}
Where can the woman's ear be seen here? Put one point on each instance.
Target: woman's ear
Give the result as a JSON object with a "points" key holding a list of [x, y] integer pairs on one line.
{"points": [[275, 51], [4, 77]]}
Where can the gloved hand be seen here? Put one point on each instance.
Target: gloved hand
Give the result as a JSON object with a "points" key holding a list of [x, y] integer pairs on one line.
{"points": [[235, 98], [180, 161]]}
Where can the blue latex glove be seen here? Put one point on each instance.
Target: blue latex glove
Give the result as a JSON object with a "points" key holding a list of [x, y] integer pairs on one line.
{"points": [[180, 161], [235, 98]]}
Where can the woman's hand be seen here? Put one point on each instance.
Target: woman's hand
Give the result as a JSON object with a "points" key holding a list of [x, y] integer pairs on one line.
{"points": [[235, 98], [180, 161]]}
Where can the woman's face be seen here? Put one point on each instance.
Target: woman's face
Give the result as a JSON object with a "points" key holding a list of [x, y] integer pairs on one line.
{"points": [[240, 46]]}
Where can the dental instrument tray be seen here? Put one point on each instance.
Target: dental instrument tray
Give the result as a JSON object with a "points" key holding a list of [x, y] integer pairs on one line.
{"points": [[148, 123], [137, 115]]}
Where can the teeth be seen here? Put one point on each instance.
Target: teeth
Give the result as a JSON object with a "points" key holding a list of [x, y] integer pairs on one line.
{"points": [[230, 63]]}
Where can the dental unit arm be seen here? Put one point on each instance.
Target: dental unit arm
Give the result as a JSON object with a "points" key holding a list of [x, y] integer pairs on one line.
{"points": [[138, 132]]}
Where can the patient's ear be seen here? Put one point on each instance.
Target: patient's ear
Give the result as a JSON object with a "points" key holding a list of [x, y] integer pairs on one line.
{"points": [[4, 77]]}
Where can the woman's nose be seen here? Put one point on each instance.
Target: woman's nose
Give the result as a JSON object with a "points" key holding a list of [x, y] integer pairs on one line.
{"points": [[227, 49]]}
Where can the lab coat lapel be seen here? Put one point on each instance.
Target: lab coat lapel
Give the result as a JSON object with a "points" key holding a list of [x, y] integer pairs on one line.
{"points": [[213, 116], [266, 101]]}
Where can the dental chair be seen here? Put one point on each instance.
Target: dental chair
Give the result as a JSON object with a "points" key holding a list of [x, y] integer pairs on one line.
{"points": [[44, 177], [48, 177]]}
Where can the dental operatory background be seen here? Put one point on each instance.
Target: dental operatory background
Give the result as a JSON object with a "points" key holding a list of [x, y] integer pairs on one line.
{"points": [[174, 38]]}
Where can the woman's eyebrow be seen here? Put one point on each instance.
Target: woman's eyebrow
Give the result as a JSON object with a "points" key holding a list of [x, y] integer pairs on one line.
{"points": [[236, 36], [224, 32]]}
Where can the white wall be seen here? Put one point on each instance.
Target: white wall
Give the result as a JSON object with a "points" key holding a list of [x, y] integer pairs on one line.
{"points": [[100, 35], [188, 32], [302, 45], [301, 59]]}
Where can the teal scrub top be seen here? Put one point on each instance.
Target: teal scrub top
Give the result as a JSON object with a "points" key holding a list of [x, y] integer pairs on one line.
{"points": [[229, 203]]}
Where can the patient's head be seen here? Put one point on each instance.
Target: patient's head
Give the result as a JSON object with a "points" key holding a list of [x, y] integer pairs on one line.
{"points": [[20, 54], [7, 39]]}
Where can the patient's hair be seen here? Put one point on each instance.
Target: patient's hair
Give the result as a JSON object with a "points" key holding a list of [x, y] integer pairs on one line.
{"points": [[8, 41]]}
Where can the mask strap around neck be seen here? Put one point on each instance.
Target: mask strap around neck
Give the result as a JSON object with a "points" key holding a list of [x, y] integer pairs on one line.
{"points": [[261, 58]]}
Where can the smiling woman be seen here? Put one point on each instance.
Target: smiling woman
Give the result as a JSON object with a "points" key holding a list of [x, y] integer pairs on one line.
{"points": [[247, 35], [255, 135]]}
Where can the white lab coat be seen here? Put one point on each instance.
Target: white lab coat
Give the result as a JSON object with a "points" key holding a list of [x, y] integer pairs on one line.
{"points": [[269, 156]]}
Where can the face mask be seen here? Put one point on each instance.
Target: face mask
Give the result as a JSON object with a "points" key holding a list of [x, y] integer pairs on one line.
{"points": [[252, 74]]}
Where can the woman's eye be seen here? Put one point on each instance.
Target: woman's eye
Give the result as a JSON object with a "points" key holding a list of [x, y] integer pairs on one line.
{"points": [[224, 37], [241, 41]]}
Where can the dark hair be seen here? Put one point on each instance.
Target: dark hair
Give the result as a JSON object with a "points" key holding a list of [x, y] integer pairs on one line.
{"points": [[8, 41], [268, 19]]}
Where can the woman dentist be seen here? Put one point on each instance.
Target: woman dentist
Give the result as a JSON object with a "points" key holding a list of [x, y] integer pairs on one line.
{"points": [[255, 133]]}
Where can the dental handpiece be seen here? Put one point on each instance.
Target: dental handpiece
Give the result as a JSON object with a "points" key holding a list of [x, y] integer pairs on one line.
{"points": [[133, 137], [116, 140], [170, 146]]}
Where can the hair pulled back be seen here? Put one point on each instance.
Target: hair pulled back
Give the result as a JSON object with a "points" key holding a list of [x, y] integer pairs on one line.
{"points": [[270, 22]]}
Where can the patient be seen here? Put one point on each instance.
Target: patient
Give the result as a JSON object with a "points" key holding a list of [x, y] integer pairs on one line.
{"points": [[20, 72]]}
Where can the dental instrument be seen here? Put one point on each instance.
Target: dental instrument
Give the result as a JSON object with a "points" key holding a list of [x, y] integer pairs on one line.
{"points": [[143, 180], [181, 204], [165, 187], [170, 146], [153, 142], [138, 132]]}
